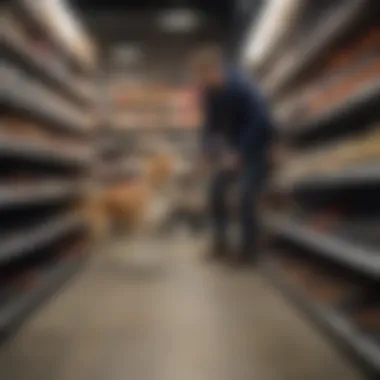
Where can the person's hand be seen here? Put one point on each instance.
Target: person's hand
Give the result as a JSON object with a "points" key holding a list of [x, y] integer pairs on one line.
{"points": [[231, 161]]}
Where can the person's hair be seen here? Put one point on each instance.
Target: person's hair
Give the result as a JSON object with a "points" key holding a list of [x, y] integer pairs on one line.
{"points": [[206, 57]]}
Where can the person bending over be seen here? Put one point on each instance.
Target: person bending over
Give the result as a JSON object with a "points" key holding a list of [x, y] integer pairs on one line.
{"points": [[236, 138]]}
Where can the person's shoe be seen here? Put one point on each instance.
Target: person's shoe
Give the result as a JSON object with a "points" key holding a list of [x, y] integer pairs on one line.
{"points": [[217, 252], [246, 259]]}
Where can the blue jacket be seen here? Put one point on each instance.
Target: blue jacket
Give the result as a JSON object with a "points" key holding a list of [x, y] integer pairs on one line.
{"points": [[238, 113]]}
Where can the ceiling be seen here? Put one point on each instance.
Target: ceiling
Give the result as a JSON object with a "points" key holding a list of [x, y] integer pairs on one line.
{"points": [[220, 9], [230, 16], [113, 22]]}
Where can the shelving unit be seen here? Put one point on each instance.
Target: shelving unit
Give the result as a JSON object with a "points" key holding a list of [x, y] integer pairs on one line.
{"points": [[17, 49], [41, 152], [361, 175], [23, 94], [365, 100], [348, 253], [332, 28], [136, 111], [18, 304], [46, 149], [336, 324], [21, 244], [13, 196], [69, 39], [324, 251], [114, 148]]}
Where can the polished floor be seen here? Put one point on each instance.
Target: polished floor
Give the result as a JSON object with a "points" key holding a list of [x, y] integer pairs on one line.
{"points": [[167, 315]]}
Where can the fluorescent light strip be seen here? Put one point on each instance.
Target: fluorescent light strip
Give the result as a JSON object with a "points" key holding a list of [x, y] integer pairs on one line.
{"points": [[277, 17], [63, 23], [179, 20]]}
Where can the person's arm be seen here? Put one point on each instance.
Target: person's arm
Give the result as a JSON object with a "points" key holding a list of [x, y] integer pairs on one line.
{"points": [[255, 131], [208, 127]]}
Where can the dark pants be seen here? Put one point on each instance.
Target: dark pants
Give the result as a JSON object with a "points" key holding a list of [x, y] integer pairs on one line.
{"points": [[250, 183]]}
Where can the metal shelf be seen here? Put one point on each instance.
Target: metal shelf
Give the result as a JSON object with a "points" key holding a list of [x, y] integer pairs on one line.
{"points": [[41, 248], [40, 16], [30, 194], [16, 46], [19, 307], [356, 257], [19, 245], [27, 95], [331, 30], [363, 175], [335, 324], [367, 96], [41, 152]]}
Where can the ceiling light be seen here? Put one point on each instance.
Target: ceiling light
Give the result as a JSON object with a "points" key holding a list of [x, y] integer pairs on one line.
{"points": [[127, 54], [179, 20], [277, 19]]}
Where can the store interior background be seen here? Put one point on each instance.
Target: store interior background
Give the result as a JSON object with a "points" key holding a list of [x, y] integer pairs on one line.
{"points": [[103, 221]]}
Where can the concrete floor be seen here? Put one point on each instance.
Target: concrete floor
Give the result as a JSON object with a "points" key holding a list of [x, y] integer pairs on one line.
{"points": [[176, 318]]}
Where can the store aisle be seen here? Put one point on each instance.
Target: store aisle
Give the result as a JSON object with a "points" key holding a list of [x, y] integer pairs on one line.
{"points": [[176, 318]]}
